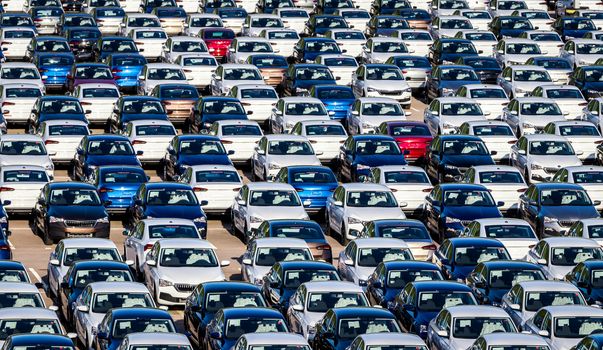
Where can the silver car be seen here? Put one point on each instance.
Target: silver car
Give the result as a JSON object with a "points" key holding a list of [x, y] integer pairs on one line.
{"points": [[529, 115], [587, 176], [62, 138], [583, 136], [568, 97], [25, 150], [381, 80], [514, 51], [445, 115], [559, 255], [217, 184], [520, 80], [582, 52], [515, 234], [229, 75], [491, 98]]}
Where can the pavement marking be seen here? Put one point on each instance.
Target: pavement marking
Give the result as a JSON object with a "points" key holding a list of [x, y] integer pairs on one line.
{"points": [[10, 244], [40, 280], [414, 109]]}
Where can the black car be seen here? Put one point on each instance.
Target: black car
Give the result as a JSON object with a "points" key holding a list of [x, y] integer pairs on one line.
{"points": [[487, 68], [69, 209], [588, 277]]}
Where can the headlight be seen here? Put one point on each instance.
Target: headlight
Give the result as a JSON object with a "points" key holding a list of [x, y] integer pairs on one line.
{"points": [[165, 283], [408, 89], [54, 219], [104, 220], [548, 220], [201, 219], [312, 329], [362, 167], [535, 166], [354, 221], [273, 166], [362, 283], [450, 220], [527, 125], [255, 219]]}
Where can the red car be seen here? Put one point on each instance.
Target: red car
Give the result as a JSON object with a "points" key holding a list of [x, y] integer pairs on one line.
{"points": [[413, 137], [217, 40]]}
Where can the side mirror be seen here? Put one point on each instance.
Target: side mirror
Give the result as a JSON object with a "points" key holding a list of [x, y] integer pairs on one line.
{"points": [[5, 203], [515, 307], [522, 152], [543, 333], [541, 261], [224, 263], [203, 203], [442, 333], [349, 262], [246, 261], [139, 153], [215, 335], [83, 308], [102, 335], [338, 203], [54, 262], [231, 152], [595, 203], [500, 204], [298, 308], [151, 262]]}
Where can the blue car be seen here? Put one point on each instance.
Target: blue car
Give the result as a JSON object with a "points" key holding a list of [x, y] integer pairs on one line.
{"points": [[120, 322], [588, 277], [38, 341], [487, 68], [54, 68], [213, 108], [491, 280], [314, 184], [444, 80], [307, 49], [449, 207], [447, 51], [570, 27], [231, 323], [391, 276], [52, 107], [84, 272], [591, 342], [459, 256], [420, 302], [210, 297], [13, 271], [130, 108], [167, 200], [336, 98], [340, 326], [98, 150], [360, 153], [126, 68], [148, 6], [300, 78], [589, 79], [118, 185], [82, 40], [188, 150], [509, 26], [285, 277], [75, 20]]}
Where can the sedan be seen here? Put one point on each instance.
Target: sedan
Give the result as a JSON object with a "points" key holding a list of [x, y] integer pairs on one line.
{"points": [[309, 231], [18, 101], [314, 184], [445, 115], [21, 185], [521, 80], [185, 151], [367, 113], [529, 115], [290, 110], [62, 137], [381, 80], [408, 183], [497, 136], [584, 137], [361, 152], [25, 150], [326, 136], [97, 150], [228, 75], [154, 74], [559, 255], [568, 97], [276, 151]]}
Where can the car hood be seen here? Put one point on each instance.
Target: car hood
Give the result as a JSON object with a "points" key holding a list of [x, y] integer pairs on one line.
{"points": [[556, 161], [386, 85], [277, 212], [307, 84], [461, 344], [191, 275], [77, 212], [568, 212], [377, 160], [368, 214], [112, 160], [200, 159], [174, 211], [286, 160], [56, 116], [24, 160], [529, 85], [467, 160], [461, 272], [470, 212]]}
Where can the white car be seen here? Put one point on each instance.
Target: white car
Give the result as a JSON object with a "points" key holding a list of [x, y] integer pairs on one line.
{"points": [[506, 7], [448, 26], [140, 239], [197, 21], [243, 47], [384, 340], [259, 99], [526, 297], [61, 137], [521, 80], [21, 185], [381, 81], [198, 68], [417, 40], [276, 151], [342, 66], [582, 52], [483, 40], [150, 136], [21, 294], [587, 228], [589, 177], [70, 250], [109, 19], [175, 266], [282, 40], [492, 98], [138, 20], [497, 135], [240, 136], [354, 204], [409, 185], [559, 255], [529, 115], [17, 101], [150, 41], [367, 113], [515, 234], [101, 297], [217, 184], [457, 327], [311, 301], [357, 18], [568, 97], [99, 99], [326, 136], [25, 150], [509, 340], [568, 324], [480, 19], [290, 110], [262, 253], [593, 112], [350, 41], [34, 320], [20, 73], [14, 41], [549, 41], [154, 74], [540, 156], [594, 34], [516, 51], [583, 136], [228, 75], [256, 22], [293, 17], [14, 5], [445, 115], [358, 260], [379, 49], [506, 183], [180, 45]]}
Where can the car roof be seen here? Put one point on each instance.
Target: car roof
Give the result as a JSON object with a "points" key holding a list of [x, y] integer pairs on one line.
{"points": [[139, 312], [214, 286], [85, 242], [507, 168], [410, 264], [320, 122], [558, 185], [285, 137], [514, 339], [501, 221], [377, 100], [40, 339], [107, 287], [279, 242], [97, 85], [486, 122], [150, 121], [362, 186], [483, 86], [6, 168], [18, 287], [572, 122], [475, 241], [556, 286], [386, 168], [185, 243], [362, 311], [20, 137], [545, 137], [251, 312], [422, 286], [203, 167], [265, 186], [577, 168], [477, 311], [10, 313], [157, 338], [75, 184], [279, 338], [454, 99], [332, 286], [69, 122], [162, 65], [461, 186], [301, 99], [111, 264], [573, 310], [380, 242], [571, 242], [392, 339], [497, 264], [171, 221]]}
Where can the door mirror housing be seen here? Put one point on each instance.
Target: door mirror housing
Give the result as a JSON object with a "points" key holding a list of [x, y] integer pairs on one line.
{"points": [[515, 307], [541, 261], [298, 308], [151, 262], [442, 333]]}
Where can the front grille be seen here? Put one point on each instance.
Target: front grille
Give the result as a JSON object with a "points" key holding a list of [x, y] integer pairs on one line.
{"points": [[551, 170], [185, 288], [566, 223], [466, 222], [396, 92], [78, 235], [80, 223]]}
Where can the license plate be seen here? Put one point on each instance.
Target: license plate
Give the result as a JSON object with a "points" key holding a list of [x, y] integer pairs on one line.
{"points": [[316, 193]]}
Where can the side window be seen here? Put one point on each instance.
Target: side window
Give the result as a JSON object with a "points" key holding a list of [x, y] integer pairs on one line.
{"points": [[539, 318], [139, 230]]}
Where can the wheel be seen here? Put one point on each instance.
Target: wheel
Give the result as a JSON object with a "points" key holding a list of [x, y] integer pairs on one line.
{"points": [[46, 237], [254, 177], [166, 176], [328, 230], [343, 236], [265, 175]]}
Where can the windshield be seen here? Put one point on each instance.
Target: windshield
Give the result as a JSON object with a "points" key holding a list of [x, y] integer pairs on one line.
{"points": [[155, 130], [110, 12], [438, 300], [482, 37], [414, 177], [167, 196], [13, 276], [561, 148], [251, 46], [500, 177], [340, 62], [476, 14], [199, 61], [72, 255], [312, 177], [200, 146], [461, 108], [299, 148], [458, 47], [84, 277], [414, 62], [564, 197], [173, 231], [259, 93], [165, 74], [266, 22], [93, 73], [188, 257], [217, 176], [242, 74], [313, 74], [110, 148], [286, 34], [144, 22], [571, 256], [404, 232], [455, 24], [371, 257], [294, 279], [509, 231], [597, 275], [492, 130], [537, 300], [151, 34], [588, 177], [269, 61], [349, 35], [100, 92], [531, 75], [322, 47], [124, 177], [60, 106], [325, 130], [375, 199], [269, 198], [270, 256], [388, 46], [399, 278], [471, 256], [507, 278], [473, 328], [307, 232], [55, 46], [121, 328], [80, 197], [578, 130], [409, 130], [468, 147], [25, 176], [523, 49], [589, 49], [377, 147], [382, 73], [516, 23], [381, 108], [223, 107], [305, 108], [215, 301], [350, 328], [179, 92], [55, 60], [142, 107], [27, 148], [546, 37], [34, 326], [564, 93], [321, 302], [20, 299], [23, 92], [577, 326], [236, 327], [593, 75], [241, 130], [104, 302]]}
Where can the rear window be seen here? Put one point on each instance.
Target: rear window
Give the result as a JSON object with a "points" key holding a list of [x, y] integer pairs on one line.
{"points": [[217, 176], [259, 93], [410, 130], [199, 61], [56, 60], [293, 13], [325, 130], [313, 177], [501, 177], [129, 61], [100, 92], [179, 92], [283, 35], [341, 62], [47, 12], [393, 177], [67, 130], [267, 62], [155, 130], [84, 34], [23, 92], [25, 176], [155, 34], [18, 34], [492, 130], [241, 130], [115, 12], [126, 177], [218, 34]]}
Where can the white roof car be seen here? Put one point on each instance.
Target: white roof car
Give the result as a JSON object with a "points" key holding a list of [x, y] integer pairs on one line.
{"points": [[20, 72], [24, 149], [559, 255], [515, 234], [218, 184], [26, 295]]}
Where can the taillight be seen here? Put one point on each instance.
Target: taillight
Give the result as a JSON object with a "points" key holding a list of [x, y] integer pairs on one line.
{"points": [[138, 142], [522, 190], [236, 189], [86, 103], [313, 141], [116, 70], [8, 104], [105, 190], [512, 142], [299, 189], [427, 189], [226, 142], [6, 189], [429, 247], [50, 142], [323, 247], [148, 247], [200, 189], [393, 190], [4, 247]]}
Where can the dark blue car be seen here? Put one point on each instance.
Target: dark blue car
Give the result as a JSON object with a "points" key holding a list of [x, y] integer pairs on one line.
{"points": [[314, 184], [449, 207], [509, 26], [300, 78], [82, 40], [109, 45], [307, 49], [52, 107], [589, 79], [386, 25], [391, 276], [84, 272], [148, 6], [487, 68], [570, 27], [588, 277], [54, 68], [188, 150], [444, 80], [213, 108], [447, 50], [359, 153], [38, 341], [336, 98], [118, 185], [130, 108], [210, 297], [459, 256], [591, 342], [126, 68], [120, 322], [13, 271], [98, 150], [167, 200], [420, 302], [491, 280], [284, 277], [318, 25], [231, 323], [75, 20]]}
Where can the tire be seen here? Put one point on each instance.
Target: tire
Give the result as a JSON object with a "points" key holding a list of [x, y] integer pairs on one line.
{"points": [[344, 239], [46, 238], [265, 175], [254, 177], [328, 231], [166, 177]]}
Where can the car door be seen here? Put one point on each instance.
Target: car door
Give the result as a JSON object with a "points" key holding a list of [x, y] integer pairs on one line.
{"points": [[433, 209], [347, 154], [260, 157], [520, 156], [531, 208], [80, 317], [137, 212], [239, 208], [337, 211], [80, 159], [172, 157], [40, 209], [347, 271], [433, 158]]}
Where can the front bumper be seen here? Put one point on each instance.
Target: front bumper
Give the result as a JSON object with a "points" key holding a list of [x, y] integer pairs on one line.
{"points": [[555, 228], [60, 230], [172, 295], [400, 96]]}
